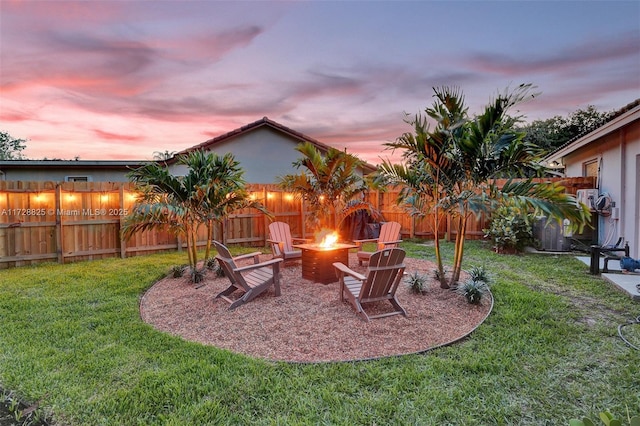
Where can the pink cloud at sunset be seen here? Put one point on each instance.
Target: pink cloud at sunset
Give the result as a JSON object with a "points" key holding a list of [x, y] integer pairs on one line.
{"points": [[122, 80]]}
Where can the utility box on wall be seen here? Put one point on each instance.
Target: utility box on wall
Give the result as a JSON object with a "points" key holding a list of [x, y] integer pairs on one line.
{"points": [[587, 197]]}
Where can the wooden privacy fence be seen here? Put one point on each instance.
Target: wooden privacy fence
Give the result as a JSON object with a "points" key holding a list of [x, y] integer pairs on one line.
{"points": [[72, 221], [422, 228]]}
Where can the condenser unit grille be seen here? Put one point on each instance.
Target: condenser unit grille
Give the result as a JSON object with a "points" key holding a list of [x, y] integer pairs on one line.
{"points": [[551, 236]]}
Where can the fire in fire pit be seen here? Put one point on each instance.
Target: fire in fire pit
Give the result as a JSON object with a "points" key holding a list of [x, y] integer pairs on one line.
{"points": [[327, 238]]}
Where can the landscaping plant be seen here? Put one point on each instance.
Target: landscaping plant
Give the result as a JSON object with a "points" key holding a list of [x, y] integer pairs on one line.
{"points": [[454, 168], [417, 283], [607, 419], [212, 189], [330, 185], [511, 228], [480, 273], [178, 270], [472, 290]]}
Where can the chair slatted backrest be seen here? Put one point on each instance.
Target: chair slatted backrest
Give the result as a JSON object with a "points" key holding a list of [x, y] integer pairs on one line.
{"points": [[280, 231], [389, 231], [228, 264], [384, 273]]}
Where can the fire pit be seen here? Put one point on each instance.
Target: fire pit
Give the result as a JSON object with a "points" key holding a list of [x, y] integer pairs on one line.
{"points": [[317, 260]]}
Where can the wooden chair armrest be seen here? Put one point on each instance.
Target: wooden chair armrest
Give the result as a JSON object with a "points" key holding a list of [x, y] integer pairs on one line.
{"points": [[370, 240], [255, 255], [345, 270], [258, 265], [275, 242], [304, 240], [384, 243]]}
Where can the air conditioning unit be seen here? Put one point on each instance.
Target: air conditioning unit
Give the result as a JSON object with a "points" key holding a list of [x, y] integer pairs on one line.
{"points": [[587, 196], [551, 236]]}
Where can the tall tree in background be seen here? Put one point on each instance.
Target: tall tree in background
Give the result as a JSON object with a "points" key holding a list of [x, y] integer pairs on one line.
{"points": [[10, 147], [453, 169], [554, 132]]}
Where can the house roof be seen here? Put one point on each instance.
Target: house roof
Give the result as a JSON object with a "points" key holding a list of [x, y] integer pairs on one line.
{"points": [[70, 164], [263, 122], [618, 119], [209, 144]]}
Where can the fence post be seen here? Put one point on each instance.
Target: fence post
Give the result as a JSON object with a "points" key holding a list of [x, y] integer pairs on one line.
{"points": [[264, 216], [224, 230], [58, 196], [123, 242], [412, 230], [303, 217]]}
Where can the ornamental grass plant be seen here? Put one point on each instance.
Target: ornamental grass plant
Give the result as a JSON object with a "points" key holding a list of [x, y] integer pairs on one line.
{"points": [[72, 340]]}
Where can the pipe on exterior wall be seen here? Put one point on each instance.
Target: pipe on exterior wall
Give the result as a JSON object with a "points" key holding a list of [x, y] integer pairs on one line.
{"points": [[636, 221], [622, 137]]}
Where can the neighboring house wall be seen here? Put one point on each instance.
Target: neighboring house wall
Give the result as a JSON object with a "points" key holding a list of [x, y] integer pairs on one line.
{"points": [[263, 153], [64, 171], [265, 150], [615, 150]]}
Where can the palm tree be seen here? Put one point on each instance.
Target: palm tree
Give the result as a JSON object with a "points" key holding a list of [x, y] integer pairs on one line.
{"points": [[454, 168], [212, 188], [225, 193], [330, 185]]}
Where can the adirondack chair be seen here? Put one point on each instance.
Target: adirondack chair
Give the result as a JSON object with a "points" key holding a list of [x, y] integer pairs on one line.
{"points": [[282, 242], [384, 272], [389, 237], [252, 279]]}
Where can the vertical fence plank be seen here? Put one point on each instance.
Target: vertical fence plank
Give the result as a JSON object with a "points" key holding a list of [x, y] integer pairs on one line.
{"points": [[121, 216], [59, 238]]}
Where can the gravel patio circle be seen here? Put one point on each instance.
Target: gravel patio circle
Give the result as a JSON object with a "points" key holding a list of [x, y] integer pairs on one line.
{"points": [[308, 323]]}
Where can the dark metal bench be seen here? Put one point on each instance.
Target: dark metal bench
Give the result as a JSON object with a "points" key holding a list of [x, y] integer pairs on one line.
{"points": [[609, 254]]}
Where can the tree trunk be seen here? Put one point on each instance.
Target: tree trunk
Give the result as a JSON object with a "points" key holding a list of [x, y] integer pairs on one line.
{"points": [[187, 235], [207, 251], [191, 247], [335, 217], [459, 248], [436, 245], [194, 247]]}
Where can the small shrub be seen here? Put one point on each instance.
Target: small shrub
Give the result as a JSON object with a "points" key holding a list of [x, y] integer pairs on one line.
{"points": [[211, 263], [473, 290], [511, 229], [607, 419], [178, 270], [197, 275], [417, 283], [21, 413], [480, 273], [219, 271]]}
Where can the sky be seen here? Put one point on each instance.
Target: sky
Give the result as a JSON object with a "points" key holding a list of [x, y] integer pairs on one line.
{"points": [[122, 80]]}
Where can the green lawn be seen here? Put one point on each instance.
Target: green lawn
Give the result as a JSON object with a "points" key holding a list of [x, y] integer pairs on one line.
{"points": [[71, 337]]}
